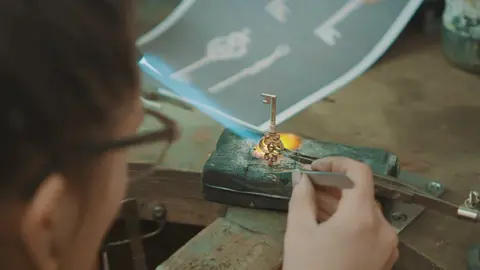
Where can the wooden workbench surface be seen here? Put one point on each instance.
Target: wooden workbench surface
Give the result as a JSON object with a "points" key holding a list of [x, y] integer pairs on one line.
{"points": [[411, 103]]}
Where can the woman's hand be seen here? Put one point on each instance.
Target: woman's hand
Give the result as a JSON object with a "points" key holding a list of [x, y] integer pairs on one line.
{"points": [[354, 234]]}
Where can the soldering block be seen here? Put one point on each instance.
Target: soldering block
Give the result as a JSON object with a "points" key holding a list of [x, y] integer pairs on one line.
{"points": [[233, 175]]}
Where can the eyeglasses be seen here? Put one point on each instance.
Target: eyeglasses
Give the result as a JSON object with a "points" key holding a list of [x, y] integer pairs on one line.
{"points": [[152, 142]]}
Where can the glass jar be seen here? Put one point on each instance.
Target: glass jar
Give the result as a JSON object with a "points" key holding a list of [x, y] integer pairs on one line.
{"points": [[461, 33]]}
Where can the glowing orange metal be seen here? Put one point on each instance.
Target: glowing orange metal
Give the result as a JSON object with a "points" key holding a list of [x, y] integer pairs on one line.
{"points": [[289, 141]]}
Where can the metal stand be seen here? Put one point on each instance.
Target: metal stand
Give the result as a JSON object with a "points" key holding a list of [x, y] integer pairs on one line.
{"points": [[132, 213]]}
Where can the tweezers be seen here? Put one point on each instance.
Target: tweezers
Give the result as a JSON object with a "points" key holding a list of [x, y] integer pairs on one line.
{"points": [[385, 186], [394, 189], [319, 178]]}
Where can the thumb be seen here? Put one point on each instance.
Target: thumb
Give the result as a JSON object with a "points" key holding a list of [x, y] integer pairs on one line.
{"points": [[302, 208]]}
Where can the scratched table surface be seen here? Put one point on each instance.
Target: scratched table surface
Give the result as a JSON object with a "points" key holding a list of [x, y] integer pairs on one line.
{"points": [[411, 103], [300, 50]]}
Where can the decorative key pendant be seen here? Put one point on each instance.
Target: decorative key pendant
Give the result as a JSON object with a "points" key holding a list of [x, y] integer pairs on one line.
{"points": [[270, 144]]}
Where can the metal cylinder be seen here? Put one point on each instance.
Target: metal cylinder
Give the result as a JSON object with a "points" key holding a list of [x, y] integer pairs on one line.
{"points": [[468, 213]]}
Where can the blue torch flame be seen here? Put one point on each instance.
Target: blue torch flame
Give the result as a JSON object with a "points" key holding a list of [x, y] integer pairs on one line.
{"points": [[160, 72]]}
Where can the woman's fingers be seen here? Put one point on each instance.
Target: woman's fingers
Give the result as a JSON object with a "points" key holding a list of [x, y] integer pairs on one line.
{"points": [[333, 191], [322, 215], [390, 236], [357, 203], [326, 202], [302, 208], [392, 259]]}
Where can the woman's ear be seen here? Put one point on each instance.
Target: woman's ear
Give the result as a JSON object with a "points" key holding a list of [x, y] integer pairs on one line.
{"points": [[48, 224]]}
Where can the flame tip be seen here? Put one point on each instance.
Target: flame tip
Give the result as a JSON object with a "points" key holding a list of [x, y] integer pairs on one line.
{"points": [[289, 140]]}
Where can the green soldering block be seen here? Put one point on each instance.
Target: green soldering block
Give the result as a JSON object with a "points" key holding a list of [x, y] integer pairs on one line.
{"points": [[233, 175]]}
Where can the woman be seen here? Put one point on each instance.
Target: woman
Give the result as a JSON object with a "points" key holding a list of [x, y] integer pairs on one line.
{"points": [[69, 108]]}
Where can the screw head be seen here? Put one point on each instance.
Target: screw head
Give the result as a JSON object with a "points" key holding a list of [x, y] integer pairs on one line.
{"points": [[158, 212], [434, 187], [399, 217]]}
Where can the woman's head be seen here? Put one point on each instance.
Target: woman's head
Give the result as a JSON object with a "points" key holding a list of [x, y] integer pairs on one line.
{"points": [[67, 77]]}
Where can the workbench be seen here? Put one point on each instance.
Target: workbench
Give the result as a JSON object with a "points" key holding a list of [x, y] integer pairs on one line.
{"points": [[411, 103]]}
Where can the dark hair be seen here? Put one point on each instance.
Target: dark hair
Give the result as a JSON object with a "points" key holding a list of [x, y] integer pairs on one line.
{"points": [[66, 67]]}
